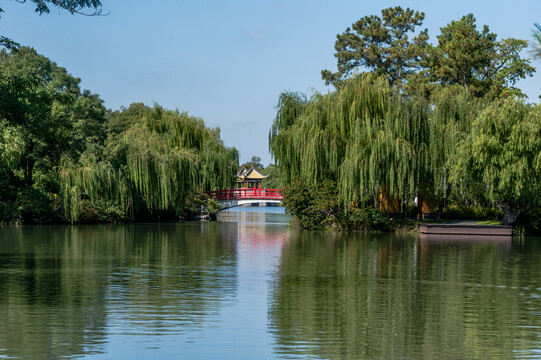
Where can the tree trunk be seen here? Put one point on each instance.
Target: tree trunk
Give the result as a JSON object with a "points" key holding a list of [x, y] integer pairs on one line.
{"points": [[443, 202], [128, 209], [28, 165], [28, 170], [511, 215]]}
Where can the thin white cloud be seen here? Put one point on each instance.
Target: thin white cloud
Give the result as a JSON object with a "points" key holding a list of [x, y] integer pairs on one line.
{"points": [[257, 34]]}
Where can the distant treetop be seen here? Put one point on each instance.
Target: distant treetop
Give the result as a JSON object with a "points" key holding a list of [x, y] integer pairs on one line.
{"points": [[381, 45], [464, 55]]}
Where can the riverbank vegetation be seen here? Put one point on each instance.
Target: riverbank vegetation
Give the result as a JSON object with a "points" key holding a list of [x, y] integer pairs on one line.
{"points": [[442, 124], [66, 158]]}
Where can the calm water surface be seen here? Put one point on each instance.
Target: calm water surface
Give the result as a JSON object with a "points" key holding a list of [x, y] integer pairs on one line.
{"points": [[249, 287]]}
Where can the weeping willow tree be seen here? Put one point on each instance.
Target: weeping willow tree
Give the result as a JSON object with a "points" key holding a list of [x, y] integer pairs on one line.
{"points": [[153, 163], [363, 136], [282, 134], [500, 159], [310, 138], [368, 137], [387, 142], [453, 110]]}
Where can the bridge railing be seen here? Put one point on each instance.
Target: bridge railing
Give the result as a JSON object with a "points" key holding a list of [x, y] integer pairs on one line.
{"points": [[237, 194]]}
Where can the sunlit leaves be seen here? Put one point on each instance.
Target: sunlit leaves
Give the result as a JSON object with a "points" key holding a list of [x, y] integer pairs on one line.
{"points": [[502, 154], [43, 104], [362, 137]]}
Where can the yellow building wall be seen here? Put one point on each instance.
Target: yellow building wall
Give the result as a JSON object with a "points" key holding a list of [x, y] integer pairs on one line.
{"points": [[386, 202]]}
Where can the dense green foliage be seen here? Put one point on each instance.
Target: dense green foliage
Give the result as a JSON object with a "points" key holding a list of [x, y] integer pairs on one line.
{"points": [[43, 116], [273, 181], [255, 162], [368, 136], [44, 113], [502, 157], [436, 124], [64, 157], [152, 162], [477, 60], [318, 207], [362, 137]]}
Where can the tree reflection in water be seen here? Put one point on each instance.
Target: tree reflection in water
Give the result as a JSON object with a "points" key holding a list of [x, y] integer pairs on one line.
{"points": [[379, 296], [64, 290], [250, 284]]}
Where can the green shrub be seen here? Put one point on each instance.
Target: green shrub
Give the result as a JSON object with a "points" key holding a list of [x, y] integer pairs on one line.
{"points": [[99, 212], [454, 212], [370, 219], [529, 223], [109, 212], [35, 205], [319, 207], [314, 207], [9, 213], [199, 204]]}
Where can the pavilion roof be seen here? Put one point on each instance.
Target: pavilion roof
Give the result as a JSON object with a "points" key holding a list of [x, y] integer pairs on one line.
{"points": [[251, 174]]}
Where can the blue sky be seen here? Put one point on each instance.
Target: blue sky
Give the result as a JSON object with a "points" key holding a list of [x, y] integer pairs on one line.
{"points": [[228, 61]]}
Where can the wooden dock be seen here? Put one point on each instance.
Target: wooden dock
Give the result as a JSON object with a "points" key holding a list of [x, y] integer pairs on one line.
{"points": [[466, 228]]}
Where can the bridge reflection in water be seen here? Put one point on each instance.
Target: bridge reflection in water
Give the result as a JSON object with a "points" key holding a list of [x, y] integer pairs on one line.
{"points": [[229, 198]]}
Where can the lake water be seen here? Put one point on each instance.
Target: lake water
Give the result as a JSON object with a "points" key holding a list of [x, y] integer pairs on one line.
{"points": [[250, 287]]}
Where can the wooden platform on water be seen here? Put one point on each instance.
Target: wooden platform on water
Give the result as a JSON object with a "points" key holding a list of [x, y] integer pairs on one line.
{"points": [[464, 228]]}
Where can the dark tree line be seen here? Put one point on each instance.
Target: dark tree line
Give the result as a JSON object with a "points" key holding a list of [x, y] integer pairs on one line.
{"points": [[65, 157]]}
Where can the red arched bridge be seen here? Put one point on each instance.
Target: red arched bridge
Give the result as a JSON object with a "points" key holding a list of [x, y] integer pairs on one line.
{"points": [[229, 198]]}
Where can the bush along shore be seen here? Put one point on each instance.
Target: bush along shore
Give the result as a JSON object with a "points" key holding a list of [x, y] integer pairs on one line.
{"points": [[319, 208]]}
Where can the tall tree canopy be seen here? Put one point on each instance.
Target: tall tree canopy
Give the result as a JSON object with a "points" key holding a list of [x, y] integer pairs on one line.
{"points": [[64, 156], [363, 136], [476, 60], [381, 45], [44, 113], [254, 162], [463, 56]]}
